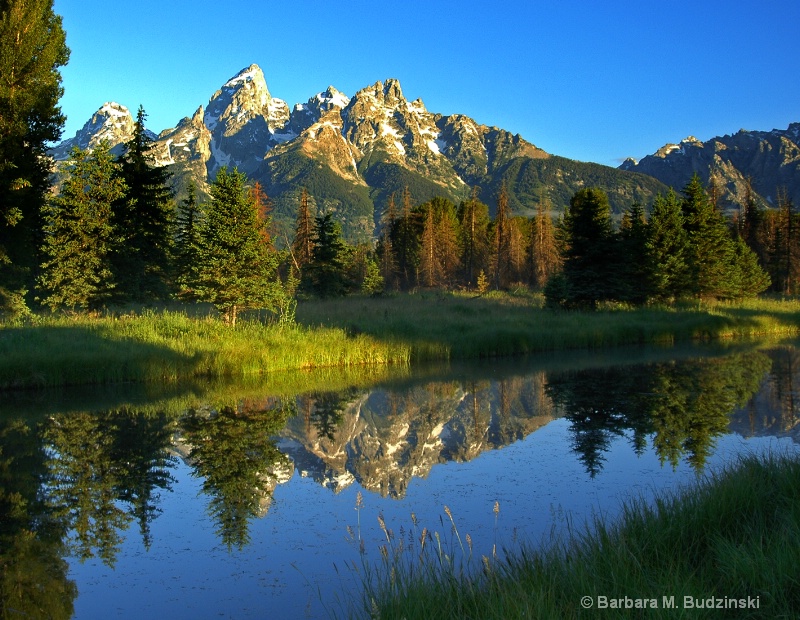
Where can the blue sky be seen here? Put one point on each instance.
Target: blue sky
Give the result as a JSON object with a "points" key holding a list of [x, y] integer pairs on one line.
{"points": [[590, 80]]}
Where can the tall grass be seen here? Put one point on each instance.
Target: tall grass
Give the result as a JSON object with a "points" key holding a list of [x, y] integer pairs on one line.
{"points": [[734, 537], [458, 326], [169, 346]]}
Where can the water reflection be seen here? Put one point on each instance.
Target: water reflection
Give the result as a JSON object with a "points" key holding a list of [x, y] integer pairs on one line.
{"points": [[231, 448], [684, 405], [73, 482]]}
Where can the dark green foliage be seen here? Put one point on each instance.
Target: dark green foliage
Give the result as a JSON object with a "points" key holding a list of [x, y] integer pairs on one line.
{"points": [[327, 273], [187, 241], [634, 273], [237, 267], [143, 220], [32, 49], [667, 248], [78, 235], [33, 573], [719, 267], [590, 265], [83, 482]]}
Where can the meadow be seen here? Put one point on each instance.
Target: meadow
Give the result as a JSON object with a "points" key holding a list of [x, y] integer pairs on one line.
{"points": [[177, 344]]}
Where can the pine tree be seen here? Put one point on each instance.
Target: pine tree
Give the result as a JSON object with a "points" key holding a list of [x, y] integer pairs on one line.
{"points": [[237, 269], [406, 243], [635, 284], [429, 267], [76, 272], [187, 241], [786, 246], [589, 255], [710, 244], [144, 220], [264, 206], [667, 249], [327, 273], [32, 50]]}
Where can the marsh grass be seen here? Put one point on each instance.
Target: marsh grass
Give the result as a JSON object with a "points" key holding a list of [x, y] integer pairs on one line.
{"points": [[734, 535], [458, 326], [172, 346], [176, 345]]}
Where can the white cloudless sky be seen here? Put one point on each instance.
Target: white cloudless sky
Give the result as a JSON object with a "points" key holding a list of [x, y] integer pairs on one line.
{"points": [[589, 80]]}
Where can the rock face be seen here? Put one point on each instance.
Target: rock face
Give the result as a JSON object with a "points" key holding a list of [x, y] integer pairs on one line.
{"points": [[769, 159], [353, 153], [112, 122]]}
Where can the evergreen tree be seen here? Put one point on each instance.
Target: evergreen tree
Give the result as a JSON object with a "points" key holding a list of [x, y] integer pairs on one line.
{"points": [[406, 242], [187, 241], [439, 248], [429, 266], [518, 249], [588, 251], [711, 254], [667, 249], [237, 269], [327, 273], [634, 272], [32, 49], [76, 273], [785, 254], [143, 219]]}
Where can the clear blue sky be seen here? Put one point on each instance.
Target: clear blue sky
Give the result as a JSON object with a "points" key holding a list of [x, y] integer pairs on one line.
{"points": [[590, 80]]}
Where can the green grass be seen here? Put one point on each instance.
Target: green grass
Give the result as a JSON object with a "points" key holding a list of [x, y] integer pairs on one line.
{"points": [[171, 346], [454, 326], [735, 535]]}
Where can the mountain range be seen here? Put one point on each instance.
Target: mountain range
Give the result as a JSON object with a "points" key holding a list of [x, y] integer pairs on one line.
{"points": [[352, 153]]}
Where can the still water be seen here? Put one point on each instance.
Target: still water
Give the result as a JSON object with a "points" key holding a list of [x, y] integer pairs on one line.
{"points": [[263, 500]]}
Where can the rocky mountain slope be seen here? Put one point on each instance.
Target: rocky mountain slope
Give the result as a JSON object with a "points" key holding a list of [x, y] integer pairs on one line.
{"points": [[769, 159], [352, 153]]}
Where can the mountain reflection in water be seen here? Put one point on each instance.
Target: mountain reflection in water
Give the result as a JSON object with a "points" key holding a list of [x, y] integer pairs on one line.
{"points": [[74, 481]]}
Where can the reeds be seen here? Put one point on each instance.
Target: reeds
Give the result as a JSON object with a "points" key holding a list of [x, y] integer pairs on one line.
{"points": [[734, 537]]}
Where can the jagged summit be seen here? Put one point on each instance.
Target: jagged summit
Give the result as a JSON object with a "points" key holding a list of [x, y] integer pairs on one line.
{"points": [[112, 122], [353, 152], [738, 164]]}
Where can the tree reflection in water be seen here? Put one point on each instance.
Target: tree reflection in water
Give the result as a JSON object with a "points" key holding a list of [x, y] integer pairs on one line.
{"points": [[73, 482]]}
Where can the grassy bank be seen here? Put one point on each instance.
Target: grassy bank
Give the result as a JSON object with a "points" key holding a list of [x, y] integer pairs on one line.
{"points": [[172, 346], [734, 537], [461, 327]]}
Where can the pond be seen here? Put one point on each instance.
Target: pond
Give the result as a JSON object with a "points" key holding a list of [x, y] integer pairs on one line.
{"points": [[271, 500]]}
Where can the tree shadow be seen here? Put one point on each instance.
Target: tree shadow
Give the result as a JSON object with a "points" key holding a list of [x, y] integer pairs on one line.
{"points": [[37, 357]]}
